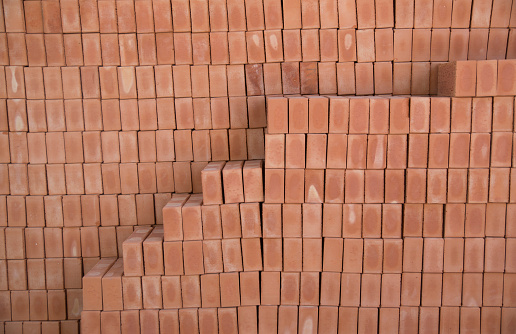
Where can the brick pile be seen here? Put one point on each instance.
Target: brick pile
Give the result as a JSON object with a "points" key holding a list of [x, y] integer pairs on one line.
{"points": [[388, 213], [113, 112]]}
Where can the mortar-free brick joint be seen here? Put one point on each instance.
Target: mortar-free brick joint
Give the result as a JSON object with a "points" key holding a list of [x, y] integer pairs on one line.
{"points": [[257, 166]]}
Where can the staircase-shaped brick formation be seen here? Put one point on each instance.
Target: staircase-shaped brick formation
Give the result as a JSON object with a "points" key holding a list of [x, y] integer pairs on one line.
{"points": [[109, 110], [232, 182], [394, 213]]}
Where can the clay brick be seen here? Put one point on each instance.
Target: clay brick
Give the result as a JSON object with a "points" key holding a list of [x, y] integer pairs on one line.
{"points": [[365, 45], [357, 151], [191, 291], [212, 183], [354, 186], [383, 78], [457, 79], [92, 284], [133, 252]]}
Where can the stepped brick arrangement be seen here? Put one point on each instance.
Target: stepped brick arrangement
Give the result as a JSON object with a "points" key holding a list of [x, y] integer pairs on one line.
{"points": [[400, 216], [257, 166]]}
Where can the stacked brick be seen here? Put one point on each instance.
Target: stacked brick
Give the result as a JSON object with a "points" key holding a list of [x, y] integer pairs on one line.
{"points": [[108, 109], [207, 255], [398, 199], [412, 230]]}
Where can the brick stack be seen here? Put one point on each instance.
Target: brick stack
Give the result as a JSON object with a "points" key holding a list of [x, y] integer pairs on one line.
{"points": [[109, 108], [380, 213], [207, 255]]}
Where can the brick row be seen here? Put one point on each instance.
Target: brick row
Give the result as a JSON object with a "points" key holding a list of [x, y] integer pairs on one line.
{"points": [[477, 78], [85, 210], [187, 218], [191, 16], [44, 274], [411, 185], [43, 327], [232, 182], [94, 115], [388, 115], [323, 319], [256, 47], [77, 147], [40, 305], [147, 254], [309, 253], [342, 78], [356, 221], [302, 288], [58, 242], [392, 151]]}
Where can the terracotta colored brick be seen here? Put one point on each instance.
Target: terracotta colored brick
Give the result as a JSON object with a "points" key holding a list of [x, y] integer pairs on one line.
{"points": [[92, 284], [437, 183], [233, 182], [502, 146], [499, 185], [290, 288], [314, 185], [277, 115], [418, 150], [190, 290], [357, 151], [364, 78], [440, 45], [231, 226], [374, 186], [376, 151], [133, 251], [210, 291], [295, 148], [383, 78], [396, 151], [415, 191], [477, 185], [334, 186], [212, 183], [316, 151], [365, 45]]}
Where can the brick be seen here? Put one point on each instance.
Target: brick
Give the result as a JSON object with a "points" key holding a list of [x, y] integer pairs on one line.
{"points": [[212, 183], [231, 226], [502, 146], [133, 251], [92, 284], [383, 78], [190, 287]]}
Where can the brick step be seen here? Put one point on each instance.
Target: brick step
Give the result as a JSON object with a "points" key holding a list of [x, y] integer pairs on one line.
{"points": [[320, 114], [43, 327], [336, 254], [185, 217], [477, 78], [408, 185], [232, 182], [294, 319], [114, 291]]}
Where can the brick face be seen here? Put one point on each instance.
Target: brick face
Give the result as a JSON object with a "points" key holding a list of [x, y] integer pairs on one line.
{"points": [[168, 133]]}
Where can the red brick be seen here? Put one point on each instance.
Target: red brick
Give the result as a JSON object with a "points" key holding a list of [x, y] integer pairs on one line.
{"points": [[440, 44], [502, 148], [92, 284], [212, 251], [133, 251], [374, 186], [190, 288], [356, 151], [210, 290], [253, 181], [416, 185], [212, 183], [292, 220]]}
